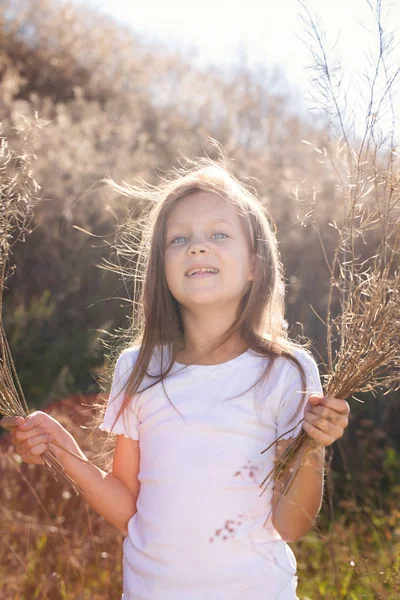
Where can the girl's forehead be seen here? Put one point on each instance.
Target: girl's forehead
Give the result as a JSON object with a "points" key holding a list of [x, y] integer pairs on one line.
{"points": [[202, 206]]}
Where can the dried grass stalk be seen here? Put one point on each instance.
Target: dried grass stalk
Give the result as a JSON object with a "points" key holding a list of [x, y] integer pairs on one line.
{"points": [[368, 322], [18, 198], [369, 356]]}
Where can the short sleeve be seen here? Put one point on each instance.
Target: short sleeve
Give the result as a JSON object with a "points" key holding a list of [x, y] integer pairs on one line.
{"points": [[290, 396], [127, 423]]}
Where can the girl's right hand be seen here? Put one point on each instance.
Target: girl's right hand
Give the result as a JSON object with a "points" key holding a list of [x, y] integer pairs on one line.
{"points": [[31, 436]]}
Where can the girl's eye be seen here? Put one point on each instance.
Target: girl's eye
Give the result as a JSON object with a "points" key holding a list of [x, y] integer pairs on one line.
{"points": [[184, 238]]}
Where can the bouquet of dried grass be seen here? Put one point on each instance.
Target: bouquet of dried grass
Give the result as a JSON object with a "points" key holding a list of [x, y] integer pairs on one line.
{"points": [[367, 324], [18, 198], [369, 354]]}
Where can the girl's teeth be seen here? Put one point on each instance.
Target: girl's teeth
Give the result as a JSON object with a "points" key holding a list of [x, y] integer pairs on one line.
{"points": [[203, 272]]}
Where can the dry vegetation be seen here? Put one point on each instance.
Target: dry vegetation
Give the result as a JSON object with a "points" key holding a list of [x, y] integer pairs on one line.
{"points": [[362, 339], [117, 105], [53, 545]]}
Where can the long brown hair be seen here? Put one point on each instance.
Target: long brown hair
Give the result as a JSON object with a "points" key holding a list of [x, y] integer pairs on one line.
{"points": [[156, 320]]}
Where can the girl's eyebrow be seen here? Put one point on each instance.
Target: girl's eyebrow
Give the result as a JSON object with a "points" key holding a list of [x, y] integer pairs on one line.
{"points": [[182, 224]]}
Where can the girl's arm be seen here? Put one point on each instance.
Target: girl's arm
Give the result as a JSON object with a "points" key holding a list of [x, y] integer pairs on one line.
{"points": [[113, 496], [107, 493], [325, 419], [296, 512]]}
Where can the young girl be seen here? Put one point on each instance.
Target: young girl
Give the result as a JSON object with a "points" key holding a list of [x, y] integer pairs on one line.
{"points": [[207, 383]]}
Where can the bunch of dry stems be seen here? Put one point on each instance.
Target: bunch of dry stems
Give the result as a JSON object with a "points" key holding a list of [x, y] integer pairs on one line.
{"points": [[367, 323], [18, 198]]}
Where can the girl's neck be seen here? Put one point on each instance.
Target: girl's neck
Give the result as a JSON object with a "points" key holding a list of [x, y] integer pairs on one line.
{"points": [[201, 356]]}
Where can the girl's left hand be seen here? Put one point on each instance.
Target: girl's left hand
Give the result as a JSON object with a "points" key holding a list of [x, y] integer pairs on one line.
{"points": [[325, 419]]}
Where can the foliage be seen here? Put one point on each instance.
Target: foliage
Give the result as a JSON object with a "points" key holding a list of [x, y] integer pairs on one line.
{"points": [[112, 109]]}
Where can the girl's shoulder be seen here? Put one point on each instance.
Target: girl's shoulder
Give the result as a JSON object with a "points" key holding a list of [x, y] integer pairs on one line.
{"points": [[130, 352], [129, 356], [285, 367], [290, 373], [304, 355]]}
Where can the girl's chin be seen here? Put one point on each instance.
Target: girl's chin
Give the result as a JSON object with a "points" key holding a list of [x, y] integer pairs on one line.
{"points": [[204, 299]]}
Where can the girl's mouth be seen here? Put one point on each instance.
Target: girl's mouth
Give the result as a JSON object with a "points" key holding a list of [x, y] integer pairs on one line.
{"points": [[202, 274]]}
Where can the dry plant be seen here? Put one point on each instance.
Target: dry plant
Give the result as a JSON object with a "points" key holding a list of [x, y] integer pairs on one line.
{"points": [[18, 199], [363, 325]]}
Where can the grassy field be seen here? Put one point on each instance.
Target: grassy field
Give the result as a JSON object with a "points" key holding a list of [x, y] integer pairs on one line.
{"points": [[55, 547]]}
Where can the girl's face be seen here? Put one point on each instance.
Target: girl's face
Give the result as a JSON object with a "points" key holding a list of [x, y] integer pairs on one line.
{"points": [[203, 230]]}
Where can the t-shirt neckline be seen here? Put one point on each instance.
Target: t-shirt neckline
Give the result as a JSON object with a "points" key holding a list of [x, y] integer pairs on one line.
{"points": [[218, 366]]}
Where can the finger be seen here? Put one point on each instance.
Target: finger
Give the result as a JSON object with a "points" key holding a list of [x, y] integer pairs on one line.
{"points": [[10, 422], [327, 413], [40, 419], [319, 436], [337, 404], [19, 435], [34, 458], [315, 398], [32, 420], [32, 443], [33, 455], [323, 425]]}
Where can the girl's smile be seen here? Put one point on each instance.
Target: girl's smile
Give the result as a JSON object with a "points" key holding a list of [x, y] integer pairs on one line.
{"points": [[198, 271], [200, 274]]}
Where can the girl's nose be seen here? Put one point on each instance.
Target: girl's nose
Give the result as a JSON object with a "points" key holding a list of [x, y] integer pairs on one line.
{"points": [[200, 251], [198, 247]]}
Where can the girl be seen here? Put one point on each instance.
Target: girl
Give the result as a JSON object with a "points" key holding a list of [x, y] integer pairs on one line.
{"points": [[219, 381]]}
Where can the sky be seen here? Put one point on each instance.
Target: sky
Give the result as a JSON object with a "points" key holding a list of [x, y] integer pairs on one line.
{"points": [[273, 33]]}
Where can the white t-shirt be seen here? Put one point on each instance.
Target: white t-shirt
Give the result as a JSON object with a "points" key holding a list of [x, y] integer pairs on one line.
{"points": [[198, 533]]}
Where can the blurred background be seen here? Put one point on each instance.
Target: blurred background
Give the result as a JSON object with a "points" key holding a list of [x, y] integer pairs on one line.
{"points": [[126, 89]]}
